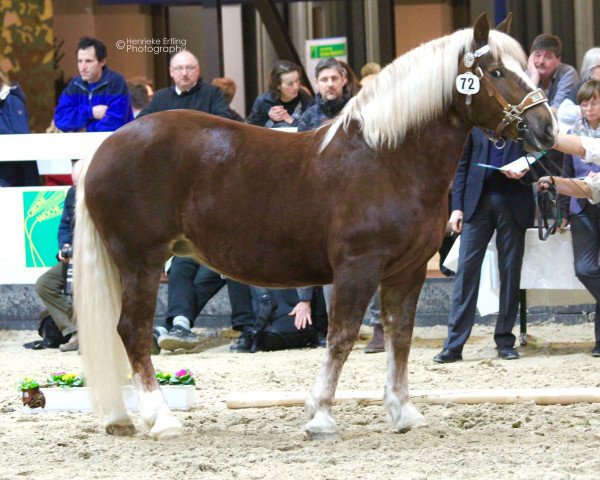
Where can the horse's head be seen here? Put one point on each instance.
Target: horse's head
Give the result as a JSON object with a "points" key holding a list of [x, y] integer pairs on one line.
{"points": [[497, 94]]}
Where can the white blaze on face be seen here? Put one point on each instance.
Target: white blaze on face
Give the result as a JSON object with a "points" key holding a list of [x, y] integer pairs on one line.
{"points": [[514, 66]]}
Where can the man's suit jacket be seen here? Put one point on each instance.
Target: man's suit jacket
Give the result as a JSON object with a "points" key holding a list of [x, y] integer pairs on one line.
{"points": [[468, 182]]}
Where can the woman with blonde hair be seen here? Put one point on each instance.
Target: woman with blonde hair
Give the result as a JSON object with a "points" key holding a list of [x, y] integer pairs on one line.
{"points": [[15, 119]]}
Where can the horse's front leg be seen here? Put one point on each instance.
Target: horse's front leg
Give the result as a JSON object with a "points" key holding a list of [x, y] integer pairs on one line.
{"points": [[399, 296], [351, 295], [135, 329]]}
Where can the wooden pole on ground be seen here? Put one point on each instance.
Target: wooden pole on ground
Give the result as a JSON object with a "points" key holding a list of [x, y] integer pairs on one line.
{"points": [[503, 396]]}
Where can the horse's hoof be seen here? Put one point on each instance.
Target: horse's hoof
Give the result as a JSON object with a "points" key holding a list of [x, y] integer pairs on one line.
{"points": [[126, 430], [323, 436], [322, 427], [166, 428], [167, 434], [409, 418]]}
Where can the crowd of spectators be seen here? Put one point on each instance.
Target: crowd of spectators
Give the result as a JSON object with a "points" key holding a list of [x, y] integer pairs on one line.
{"points": [[483, 201]]}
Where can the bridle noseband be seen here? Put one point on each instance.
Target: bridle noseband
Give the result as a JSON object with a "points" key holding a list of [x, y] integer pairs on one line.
{"points": [[512, 113]]}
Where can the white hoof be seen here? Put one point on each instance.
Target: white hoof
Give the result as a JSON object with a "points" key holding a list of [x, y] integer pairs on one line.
{"points": [[321, 426], [166, 427], [405, 417], [119, 425]]}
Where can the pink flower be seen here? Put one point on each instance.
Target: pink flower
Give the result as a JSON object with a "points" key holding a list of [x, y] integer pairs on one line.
{"points": [[181, 373]]}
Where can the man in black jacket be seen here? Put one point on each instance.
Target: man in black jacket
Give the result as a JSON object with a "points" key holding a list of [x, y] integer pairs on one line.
{"points": [[484, 201], [192, 285], [189, 90]]}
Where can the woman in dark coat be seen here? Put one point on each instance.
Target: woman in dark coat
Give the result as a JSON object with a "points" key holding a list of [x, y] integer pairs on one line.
{"points": [[14, 119], [284, 102]]}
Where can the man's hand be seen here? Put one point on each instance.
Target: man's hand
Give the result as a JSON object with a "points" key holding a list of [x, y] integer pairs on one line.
{"points": [[98, 111], [532, 71], [456, 221], [61, 258], [544, 183], [302, 313], [515, 175]]}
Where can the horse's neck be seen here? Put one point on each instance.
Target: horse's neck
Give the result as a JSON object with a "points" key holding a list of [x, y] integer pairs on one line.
{"points": [[432, 151]]}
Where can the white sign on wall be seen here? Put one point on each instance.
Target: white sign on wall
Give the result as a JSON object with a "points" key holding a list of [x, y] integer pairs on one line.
{"points": [[336, 47], [29, 240]]}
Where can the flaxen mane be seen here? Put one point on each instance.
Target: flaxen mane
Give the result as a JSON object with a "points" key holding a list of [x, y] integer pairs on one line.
{"points": [[416, 87]]}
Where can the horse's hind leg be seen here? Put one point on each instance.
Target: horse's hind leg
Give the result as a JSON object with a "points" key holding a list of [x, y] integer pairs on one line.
{"points": [[399, 296], [135, 328], [351, 295]]}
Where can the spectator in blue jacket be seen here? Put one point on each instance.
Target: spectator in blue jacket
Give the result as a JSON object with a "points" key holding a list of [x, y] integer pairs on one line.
{"points": [[14, 119], [97, 100]]}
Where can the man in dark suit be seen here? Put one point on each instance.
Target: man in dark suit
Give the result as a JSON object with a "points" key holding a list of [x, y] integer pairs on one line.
{"points": [[487, 200]]}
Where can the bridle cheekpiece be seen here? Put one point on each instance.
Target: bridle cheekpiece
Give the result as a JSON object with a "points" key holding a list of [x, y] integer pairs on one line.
{"points": [[512, 113]]}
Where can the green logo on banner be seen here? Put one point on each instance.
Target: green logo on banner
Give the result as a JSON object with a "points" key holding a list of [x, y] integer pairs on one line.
{"points": [[325, 51], [41, 217]]}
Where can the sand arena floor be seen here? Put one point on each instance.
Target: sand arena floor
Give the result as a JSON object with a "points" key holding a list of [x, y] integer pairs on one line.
{"points": [[485, 441]]}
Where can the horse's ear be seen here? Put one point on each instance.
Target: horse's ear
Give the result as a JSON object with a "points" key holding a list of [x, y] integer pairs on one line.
{"points": [[504, 25], [481, 29]]}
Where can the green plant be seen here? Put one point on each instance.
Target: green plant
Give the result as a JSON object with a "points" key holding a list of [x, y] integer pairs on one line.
{"points": [[28, 383], [182, 377], [64, 379]]}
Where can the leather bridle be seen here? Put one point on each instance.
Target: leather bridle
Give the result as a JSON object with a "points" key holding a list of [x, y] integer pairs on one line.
{"points": [[512, 113]]}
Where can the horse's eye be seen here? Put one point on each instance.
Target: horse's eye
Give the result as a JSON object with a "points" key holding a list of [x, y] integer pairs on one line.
{"points": [[496, 73]]}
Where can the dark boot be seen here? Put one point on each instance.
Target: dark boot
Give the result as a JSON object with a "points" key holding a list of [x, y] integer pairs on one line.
{"points": [[377, 344]]}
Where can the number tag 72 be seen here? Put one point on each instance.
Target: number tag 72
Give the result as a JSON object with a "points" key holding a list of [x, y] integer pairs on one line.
{"points": [[467, 83]]}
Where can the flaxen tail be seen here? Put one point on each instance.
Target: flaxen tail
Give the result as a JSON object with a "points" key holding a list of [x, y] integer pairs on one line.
{"points": [[97, 301]]}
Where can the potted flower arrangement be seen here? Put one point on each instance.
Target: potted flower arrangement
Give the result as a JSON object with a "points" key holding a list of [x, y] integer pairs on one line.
{"points": [[65, 380], [75, 396], [31, 395], [182, 377]]}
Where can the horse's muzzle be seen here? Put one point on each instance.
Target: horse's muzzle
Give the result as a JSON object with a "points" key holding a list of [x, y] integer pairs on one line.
{"points": [[540, 139]]}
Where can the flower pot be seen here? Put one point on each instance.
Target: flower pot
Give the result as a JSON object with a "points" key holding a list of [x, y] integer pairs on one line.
{"points": [[33, 398], [79, 399]]}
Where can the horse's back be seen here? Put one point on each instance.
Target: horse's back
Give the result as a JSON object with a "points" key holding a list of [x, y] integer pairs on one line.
{"points": [[217, 185]]}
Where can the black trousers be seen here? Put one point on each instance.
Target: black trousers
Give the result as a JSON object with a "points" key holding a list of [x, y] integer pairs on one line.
{"points": [[492, 214], [192, 285], [585, 231]]}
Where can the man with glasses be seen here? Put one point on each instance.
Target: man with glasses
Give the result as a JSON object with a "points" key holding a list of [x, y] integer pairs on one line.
{"points": [[192, 285], [189, 90]]}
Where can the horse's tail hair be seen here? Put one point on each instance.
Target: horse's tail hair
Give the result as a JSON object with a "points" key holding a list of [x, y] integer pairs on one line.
{"points": [[97, 302]]}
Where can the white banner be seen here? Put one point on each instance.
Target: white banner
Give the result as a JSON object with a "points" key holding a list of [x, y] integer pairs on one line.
{"points": [[29, 240], [53, 151]]}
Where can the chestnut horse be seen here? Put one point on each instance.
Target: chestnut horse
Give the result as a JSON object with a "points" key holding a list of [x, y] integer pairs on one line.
{"points": [[358, 203]]}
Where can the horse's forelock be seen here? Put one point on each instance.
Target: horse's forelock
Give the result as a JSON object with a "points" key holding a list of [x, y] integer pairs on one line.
{"points": [[511, 53], [417, 87]]}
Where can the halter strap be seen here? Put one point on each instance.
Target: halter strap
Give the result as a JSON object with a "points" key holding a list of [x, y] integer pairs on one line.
{"points": [[512, 113]]}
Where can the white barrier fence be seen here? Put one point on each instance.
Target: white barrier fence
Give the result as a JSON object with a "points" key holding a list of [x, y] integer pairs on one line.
{"points": [[53, 151], [30, 215]]}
